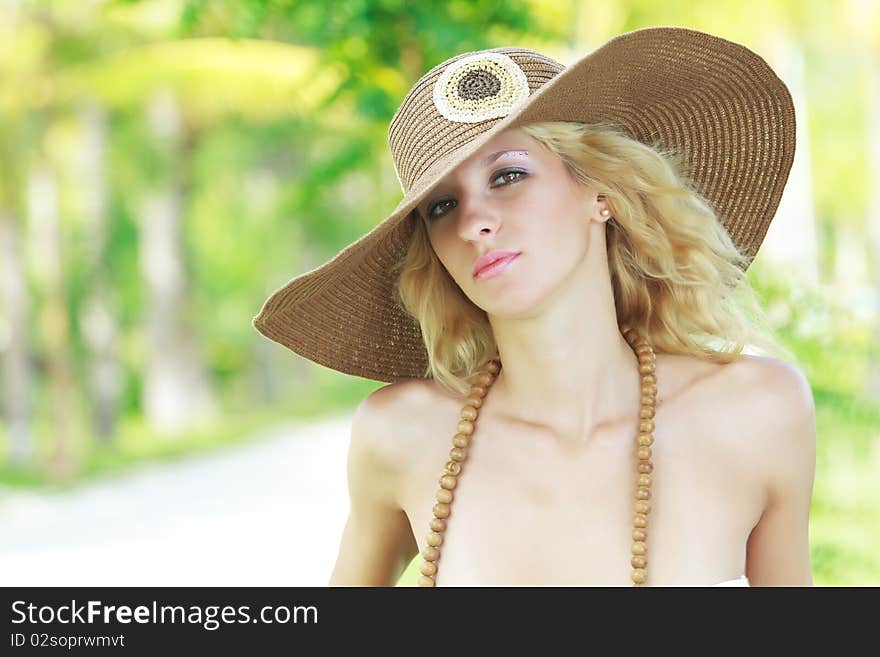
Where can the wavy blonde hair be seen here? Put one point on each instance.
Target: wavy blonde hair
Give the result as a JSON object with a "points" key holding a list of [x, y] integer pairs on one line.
{"points": [[676, 275]]}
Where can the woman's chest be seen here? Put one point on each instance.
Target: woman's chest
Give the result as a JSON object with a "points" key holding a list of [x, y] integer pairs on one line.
{"points": [[527, 510]]}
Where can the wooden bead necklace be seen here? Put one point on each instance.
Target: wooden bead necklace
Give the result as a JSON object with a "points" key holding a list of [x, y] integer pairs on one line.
{"points": [[465, 429]]}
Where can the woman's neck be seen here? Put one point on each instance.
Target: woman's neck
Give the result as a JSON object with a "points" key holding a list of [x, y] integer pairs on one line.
{"points": [[568, 367]]}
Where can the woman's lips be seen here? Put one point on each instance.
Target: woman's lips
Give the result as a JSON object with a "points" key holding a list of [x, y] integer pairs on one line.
{"points": [[496, 267]]}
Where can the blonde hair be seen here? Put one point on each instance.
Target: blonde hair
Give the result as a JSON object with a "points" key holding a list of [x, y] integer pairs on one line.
{"points": [[675, 271]]}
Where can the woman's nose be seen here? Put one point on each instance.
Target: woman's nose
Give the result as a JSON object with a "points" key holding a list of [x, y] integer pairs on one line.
{"points": [[476, 216]]}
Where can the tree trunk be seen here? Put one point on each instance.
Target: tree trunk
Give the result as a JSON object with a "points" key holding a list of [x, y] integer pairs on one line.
{"points": [[98, 318], [54, 321], [15, 367], [792, 241], [176, 391]]}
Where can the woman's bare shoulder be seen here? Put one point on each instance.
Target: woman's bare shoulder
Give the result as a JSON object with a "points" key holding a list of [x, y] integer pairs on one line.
{"points": [[401, 415], [405, 401], [764, 408], [743, 382], [767, 384], [745, 402]]}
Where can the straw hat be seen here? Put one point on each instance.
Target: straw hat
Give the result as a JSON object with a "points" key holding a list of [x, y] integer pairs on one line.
{"points": [[714, 100]]}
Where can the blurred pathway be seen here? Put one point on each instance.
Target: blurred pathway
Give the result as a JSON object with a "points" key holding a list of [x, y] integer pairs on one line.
{"points": [[270, 513]]}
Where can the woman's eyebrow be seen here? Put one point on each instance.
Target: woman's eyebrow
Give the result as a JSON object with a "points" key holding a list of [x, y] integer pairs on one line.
{"points": [[497, 154]]}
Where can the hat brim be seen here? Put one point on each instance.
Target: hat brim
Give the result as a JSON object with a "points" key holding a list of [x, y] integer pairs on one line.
{"points": [[714, 101]]}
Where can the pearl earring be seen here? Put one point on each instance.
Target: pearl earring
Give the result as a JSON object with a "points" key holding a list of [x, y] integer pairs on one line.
{"points": [[605, 212]]}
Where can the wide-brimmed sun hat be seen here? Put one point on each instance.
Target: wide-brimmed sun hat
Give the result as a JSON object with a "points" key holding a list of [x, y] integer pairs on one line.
{"points": [[714, 101]]}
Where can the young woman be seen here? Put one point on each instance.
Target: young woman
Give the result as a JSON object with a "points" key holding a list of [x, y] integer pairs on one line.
{"points": [[555, 303]]}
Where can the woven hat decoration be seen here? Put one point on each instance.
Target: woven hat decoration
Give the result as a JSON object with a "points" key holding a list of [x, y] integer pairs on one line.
{"points": [[713, 100]]}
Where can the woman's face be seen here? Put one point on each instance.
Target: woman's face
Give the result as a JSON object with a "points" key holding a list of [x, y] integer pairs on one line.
{"points": [[513, 195]]}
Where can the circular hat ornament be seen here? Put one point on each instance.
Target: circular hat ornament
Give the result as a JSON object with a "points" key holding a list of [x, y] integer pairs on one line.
{"points": [[484, 86]]}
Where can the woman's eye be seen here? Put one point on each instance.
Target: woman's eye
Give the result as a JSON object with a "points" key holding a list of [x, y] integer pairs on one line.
{"points": [[507, 172], [501, 174], [431, 214]]}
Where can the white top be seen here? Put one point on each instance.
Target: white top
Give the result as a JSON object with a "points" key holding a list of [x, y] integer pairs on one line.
{"points": [[742, 580]]}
